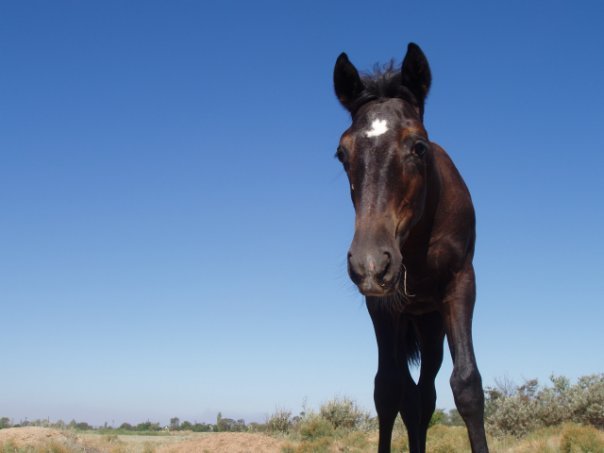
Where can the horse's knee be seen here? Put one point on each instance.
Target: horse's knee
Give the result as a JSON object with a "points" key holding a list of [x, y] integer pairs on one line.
{"points": [[387, 391], [467, 390]]}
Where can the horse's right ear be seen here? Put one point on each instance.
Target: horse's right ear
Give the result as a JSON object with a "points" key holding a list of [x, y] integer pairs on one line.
{"points": [[347, 82]]}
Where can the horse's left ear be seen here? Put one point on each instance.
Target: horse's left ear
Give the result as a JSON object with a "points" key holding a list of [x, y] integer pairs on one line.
{"points": [[416, 75], [347, 82]]}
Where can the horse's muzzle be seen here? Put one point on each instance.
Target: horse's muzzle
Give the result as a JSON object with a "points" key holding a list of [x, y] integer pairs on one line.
{"points": [[374, 270]]}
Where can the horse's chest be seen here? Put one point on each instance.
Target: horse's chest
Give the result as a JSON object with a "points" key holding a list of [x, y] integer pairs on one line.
{"points": [[420, 288]]}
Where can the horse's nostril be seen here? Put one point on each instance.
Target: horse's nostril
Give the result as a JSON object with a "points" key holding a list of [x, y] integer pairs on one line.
{"points": [[388, 257], [355, 274], [381, 276]]}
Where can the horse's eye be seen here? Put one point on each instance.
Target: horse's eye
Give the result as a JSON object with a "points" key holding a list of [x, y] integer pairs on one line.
{"points": [[341, 154], [420, 148]]}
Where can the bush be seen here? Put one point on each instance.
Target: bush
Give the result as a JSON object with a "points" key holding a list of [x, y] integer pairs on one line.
{"points": [[314, 427], [517, 410], [344, 413], [438, 418], [279, 422]]}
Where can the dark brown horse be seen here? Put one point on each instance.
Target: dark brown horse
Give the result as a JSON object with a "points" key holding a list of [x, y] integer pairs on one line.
{"points": [[412, 251]]}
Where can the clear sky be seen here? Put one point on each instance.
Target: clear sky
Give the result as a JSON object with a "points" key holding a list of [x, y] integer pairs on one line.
{"points": [[174, 227]]}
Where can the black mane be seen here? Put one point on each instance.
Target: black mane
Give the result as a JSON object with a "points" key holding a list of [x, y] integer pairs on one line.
{"points": [[384, 82]]}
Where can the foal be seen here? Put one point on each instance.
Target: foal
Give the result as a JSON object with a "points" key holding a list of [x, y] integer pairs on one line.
{"points": [[411, 256]]}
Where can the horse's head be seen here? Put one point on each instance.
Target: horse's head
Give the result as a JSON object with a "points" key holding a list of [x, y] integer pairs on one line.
{"points": [[384, 153]]}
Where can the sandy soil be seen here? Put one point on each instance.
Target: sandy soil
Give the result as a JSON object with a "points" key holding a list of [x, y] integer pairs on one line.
{"points": [[177, 443], [33, 436]]}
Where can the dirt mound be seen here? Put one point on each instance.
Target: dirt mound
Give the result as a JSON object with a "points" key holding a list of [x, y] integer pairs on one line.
{"points": [[34, 436]]}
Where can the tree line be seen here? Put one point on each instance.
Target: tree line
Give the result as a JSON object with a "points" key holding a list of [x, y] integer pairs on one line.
{"points": [[222, 424]]}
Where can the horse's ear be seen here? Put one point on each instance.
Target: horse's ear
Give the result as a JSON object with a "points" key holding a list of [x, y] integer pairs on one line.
{"points": [[416, 75], [346, 81]]}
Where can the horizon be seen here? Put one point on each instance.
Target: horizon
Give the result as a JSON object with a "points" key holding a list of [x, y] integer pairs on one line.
{"points": [[175, 226]]}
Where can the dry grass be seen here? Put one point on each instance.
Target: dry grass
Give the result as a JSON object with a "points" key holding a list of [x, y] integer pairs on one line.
{"points": [[567, 438]]}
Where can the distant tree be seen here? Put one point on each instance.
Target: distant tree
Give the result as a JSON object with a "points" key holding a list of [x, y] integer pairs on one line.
{"points": [[186, 426], [438, 417], [226, 424], [174, 424], [43, 422], [257, 427], [83, 426], [201, 428], [126, 427], [148, 426], [219, 422], [240, 425], [454, 419], [5, 422], [59, 424]]}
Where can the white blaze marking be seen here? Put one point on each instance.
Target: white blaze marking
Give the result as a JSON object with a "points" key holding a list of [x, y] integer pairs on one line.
{"points": [[378, 127]]}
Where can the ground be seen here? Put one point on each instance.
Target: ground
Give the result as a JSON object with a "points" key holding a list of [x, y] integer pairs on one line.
{"points": [[41, 439], [562, 438]]}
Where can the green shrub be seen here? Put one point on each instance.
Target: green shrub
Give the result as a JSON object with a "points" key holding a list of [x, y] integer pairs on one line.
{"points": [[588, 400], [314, 427], [279, 422], [438, 417], [517, 410], [344, 413]]}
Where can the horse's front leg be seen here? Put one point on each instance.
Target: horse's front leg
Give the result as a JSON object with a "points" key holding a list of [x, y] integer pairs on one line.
{"points": [[394, 388], [431, 335], [466, 382]]}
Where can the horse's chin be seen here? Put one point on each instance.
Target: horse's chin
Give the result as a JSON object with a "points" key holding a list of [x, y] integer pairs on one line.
{"points": [[373, 289]]}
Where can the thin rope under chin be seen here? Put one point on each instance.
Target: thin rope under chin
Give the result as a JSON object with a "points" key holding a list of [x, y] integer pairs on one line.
{"points": [[407, 294]]}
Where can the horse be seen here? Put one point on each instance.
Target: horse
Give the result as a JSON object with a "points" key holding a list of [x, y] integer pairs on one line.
{"points": [[412, 250]]}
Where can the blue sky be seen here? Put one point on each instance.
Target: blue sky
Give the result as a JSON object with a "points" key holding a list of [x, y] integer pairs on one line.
{"points": [[174, 226]]}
